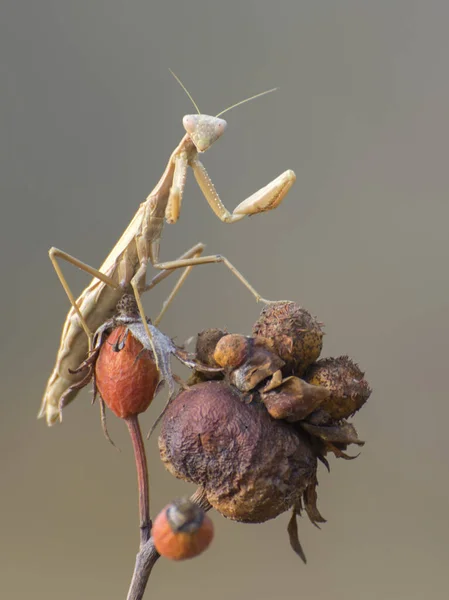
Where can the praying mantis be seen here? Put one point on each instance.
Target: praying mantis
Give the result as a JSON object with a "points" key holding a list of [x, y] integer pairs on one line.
{"points": [[125, 267]]}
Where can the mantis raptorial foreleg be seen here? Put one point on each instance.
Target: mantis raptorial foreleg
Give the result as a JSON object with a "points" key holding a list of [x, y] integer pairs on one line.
{"points": [[267, 198]]}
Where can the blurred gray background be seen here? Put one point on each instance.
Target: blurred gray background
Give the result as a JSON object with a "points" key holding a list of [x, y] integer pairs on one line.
{"points": [[90, 115]]}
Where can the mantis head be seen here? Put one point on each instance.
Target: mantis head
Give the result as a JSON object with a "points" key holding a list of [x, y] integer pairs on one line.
{"points": [[204, 130]]}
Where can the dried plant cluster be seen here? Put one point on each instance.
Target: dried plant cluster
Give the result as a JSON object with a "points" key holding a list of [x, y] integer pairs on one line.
{"points": [[252, 434], [249, 426]]}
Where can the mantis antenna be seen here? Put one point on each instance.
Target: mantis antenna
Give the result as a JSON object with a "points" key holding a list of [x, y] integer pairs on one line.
{"points": [[226, 109], [186, 91], [246, 100]]}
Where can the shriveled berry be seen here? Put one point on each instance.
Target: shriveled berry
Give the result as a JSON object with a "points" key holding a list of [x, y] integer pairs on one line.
{"points": [[348, 388], [126, 375], [182, 530]]}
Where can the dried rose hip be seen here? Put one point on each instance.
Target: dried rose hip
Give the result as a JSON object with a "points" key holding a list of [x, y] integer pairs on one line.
{"points": [[295, 335], [251, 467], [343, 378], [206, 342], [125, 374], [232, 350]]}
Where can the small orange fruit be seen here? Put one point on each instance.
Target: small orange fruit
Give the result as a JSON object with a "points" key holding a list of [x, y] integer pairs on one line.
{"points": [[182, 530]]}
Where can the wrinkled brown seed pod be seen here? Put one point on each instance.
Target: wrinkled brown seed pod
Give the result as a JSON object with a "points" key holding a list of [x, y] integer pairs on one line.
{"points": [[251, 467], [343, 378], [294, 399], [296, 335]]}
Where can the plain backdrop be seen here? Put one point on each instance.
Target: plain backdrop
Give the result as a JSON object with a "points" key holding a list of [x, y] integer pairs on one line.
{"points": [[89, 117]]}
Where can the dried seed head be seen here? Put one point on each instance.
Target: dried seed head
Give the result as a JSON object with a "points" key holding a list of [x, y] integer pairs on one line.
{"points": [[297, 336], [182, 530], [343, 378], [232, 350], [251, 467], [125, 374], [294, 399]]}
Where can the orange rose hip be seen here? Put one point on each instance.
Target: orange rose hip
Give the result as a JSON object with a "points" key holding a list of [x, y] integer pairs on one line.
{"points": [[182, 530], [126, 375]]}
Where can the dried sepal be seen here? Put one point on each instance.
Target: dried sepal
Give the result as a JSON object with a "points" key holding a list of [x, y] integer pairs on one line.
{"points": [[333, 438], [260, 364], [292, 530], [293, 399], [310, 504], [341, 433]]}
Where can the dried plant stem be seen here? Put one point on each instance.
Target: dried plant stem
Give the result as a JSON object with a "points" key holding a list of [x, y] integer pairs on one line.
{"points": [[145, 561], [142, 478], [148, 555]]}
